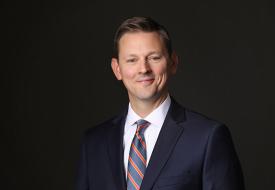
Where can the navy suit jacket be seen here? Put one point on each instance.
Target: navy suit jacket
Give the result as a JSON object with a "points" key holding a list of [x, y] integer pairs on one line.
{"points": [[192, 152]]}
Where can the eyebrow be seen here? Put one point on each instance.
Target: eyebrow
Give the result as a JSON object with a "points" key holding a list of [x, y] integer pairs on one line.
{"points": [[150, 53]]}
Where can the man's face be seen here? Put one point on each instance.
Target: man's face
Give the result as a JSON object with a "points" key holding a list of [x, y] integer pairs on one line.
{"points": [[144, 65]]}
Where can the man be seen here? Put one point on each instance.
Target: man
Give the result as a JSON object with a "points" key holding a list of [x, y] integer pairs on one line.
{"points": [[155, 143]]}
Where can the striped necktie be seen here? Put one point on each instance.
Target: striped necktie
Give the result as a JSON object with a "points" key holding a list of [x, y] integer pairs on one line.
{"points": [[137, 157]]}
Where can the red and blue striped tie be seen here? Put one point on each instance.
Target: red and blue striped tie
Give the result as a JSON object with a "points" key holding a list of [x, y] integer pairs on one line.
{"points": [[137, 157]]}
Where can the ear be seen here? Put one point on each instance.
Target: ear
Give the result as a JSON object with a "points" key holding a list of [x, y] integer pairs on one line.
{"points": [[116, 69], [174, 63]]}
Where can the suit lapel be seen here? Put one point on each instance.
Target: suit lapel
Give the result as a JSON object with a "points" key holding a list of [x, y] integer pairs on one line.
{"points": [[115, 150], [168, 137]]}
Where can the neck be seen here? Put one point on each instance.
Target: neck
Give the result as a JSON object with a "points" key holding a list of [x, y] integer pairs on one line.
{"points": [[145, 107]]}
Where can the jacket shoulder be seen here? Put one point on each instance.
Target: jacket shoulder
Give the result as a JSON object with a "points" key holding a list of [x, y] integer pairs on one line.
{"points": [[199, 122], [192, 115], [192, 118], [99, 131]]}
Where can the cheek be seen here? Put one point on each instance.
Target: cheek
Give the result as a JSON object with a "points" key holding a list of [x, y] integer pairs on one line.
{"points": [[127, 73], [161, 71], [162, 75]]}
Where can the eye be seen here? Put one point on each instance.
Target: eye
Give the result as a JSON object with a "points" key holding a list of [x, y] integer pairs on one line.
{"points": [[154, 58], [131, 60]]}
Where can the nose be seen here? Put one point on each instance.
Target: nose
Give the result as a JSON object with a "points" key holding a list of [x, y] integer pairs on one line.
{"points": [[144, 66]]}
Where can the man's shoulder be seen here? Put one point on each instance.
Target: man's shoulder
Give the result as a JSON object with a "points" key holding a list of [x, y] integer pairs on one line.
{"points": [[199, 117], [101, 129], [199, 126], [197, 120], [201, 123]]}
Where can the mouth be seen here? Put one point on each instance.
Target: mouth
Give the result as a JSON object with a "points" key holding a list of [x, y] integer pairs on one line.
{"points": [[146, 81]]}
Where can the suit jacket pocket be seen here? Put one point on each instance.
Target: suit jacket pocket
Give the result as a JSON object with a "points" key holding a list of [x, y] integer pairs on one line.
{"points": [[170, 181]]}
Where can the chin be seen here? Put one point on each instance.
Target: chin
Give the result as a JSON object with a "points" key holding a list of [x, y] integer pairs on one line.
{"points": [[142, 96], [148, 97]]}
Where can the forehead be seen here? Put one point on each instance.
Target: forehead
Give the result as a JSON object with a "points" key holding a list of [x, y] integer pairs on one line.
{"points": [[132, 42]]}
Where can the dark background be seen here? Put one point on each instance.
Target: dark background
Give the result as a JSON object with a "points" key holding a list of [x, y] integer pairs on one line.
{"points": [[58, 81]]}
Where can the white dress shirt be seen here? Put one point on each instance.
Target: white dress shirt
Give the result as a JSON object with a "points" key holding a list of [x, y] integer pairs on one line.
{"points": [[156, 119]]}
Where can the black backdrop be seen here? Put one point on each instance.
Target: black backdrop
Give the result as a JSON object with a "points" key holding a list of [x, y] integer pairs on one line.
{"points": [[58, 81]]}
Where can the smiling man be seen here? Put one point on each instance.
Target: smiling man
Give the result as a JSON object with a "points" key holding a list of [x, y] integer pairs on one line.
{"points": [[155, 143], [144, 66]]}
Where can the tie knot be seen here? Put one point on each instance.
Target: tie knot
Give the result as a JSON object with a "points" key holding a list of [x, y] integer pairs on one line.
{"points": [[141, 126]]}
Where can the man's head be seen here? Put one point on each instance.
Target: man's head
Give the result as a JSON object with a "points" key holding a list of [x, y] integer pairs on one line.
{"points": [[144, 60], [141, 24]]}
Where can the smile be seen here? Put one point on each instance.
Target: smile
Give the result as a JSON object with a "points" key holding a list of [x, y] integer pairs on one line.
{"points": [[146, 81]]}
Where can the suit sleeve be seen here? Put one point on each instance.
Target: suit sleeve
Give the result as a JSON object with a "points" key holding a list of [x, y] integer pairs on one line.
{"points": [[82, 174], [221, 170]]}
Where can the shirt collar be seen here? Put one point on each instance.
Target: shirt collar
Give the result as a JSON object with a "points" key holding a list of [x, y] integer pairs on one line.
{"points": [[156, 117]]}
